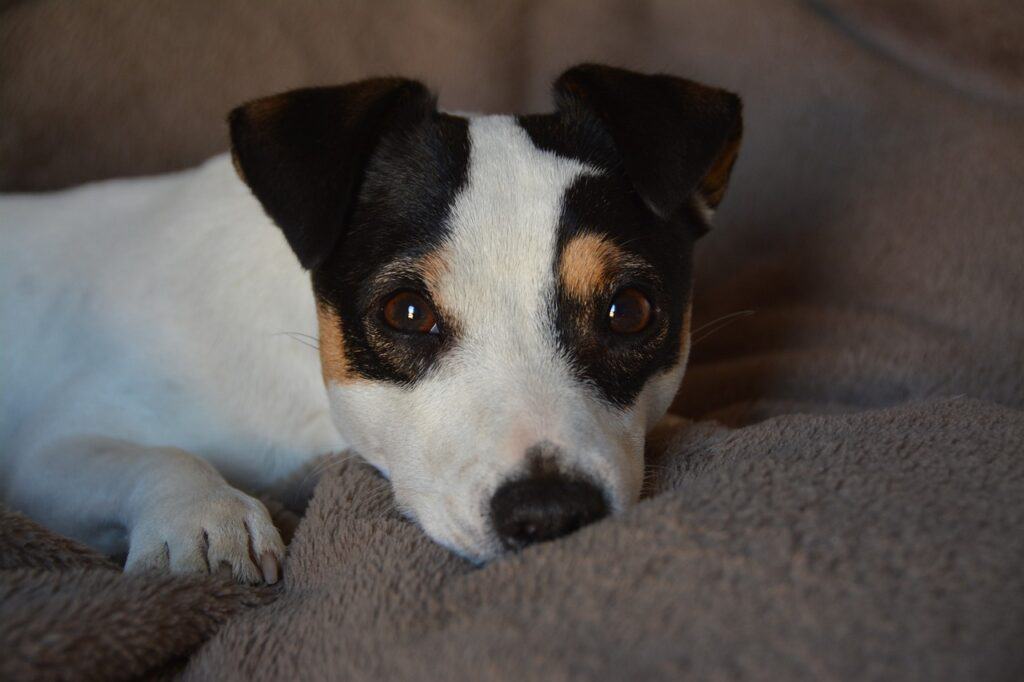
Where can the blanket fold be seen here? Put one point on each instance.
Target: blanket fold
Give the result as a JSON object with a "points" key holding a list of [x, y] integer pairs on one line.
{"points": [[67, 612], [877, 545]]}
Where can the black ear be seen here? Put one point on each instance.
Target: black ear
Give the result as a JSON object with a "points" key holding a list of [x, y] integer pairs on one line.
{"points": [[677, 138], [303, 152]]}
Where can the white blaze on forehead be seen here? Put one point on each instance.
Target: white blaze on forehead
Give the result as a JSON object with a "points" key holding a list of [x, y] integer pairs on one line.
{"points": [[503, 232], [498, 284]]}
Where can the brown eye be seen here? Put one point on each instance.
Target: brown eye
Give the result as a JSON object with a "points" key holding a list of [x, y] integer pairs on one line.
{"points": [[629, 313], [410, 312]]}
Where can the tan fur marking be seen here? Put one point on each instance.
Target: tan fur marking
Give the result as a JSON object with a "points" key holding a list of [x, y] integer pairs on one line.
{"points": [[261, 111], [434, 267], [588, 262], [333, 363], [684, 334], [712, 187]]}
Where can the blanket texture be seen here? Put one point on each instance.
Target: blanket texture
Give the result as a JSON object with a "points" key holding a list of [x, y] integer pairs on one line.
{"points": [[881, 545], [842, 493], [68, 613]]}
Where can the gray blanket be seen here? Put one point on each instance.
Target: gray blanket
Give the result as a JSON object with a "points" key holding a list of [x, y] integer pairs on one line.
{"points": [[881, 545], [842, 496]]}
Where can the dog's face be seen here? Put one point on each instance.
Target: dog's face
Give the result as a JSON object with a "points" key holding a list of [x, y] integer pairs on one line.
{"points": [[504, 302]]}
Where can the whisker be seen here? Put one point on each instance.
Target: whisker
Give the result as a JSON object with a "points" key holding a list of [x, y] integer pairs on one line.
{"points": [[300, 337], [725, 322], [704, 326], [327, 465]]}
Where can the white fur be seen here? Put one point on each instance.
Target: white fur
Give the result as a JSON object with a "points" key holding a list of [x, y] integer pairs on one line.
{"points": [[150, 326], [155, 313]]}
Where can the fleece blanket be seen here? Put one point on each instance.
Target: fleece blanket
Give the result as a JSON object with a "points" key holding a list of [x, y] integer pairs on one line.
{"points": [[842, 493], [885, 544]]}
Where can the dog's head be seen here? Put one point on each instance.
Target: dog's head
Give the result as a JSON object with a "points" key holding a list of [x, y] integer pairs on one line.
{"points": [[504, 302]]}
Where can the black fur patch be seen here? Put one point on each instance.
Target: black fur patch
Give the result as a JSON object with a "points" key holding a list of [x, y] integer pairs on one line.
{"points": [[359, 178], [303, 153], [673, 135], [400, 215], [656, 139], [620, 365], [609, 206]]}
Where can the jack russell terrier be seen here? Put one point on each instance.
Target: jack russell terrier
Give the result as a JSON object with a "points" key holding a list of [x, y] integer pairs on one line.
{"points": [[501, 303]]}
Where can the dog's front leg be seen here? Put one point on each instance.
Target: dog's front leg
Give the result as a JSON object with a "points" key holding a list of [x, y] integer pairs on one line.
{"points": [[172, 509]]}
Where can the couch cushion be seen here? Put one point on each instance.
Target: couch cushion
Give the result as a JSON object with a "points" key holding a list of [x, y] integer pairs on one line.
{"points": [[97, 89]]}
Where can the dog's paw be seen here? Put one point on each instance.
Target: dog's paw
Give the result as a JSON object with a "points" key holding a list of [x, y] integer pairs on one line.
{"points": [[217, 530]]}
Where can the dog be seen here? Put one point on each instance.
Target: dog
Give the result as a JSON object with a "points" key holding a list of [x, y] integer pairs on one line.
{"points": [[501, 306]]}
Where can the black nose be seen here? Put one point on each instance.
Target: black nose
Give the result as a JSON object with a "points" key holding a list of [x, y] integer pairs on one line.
{"points": [[536, 509]]}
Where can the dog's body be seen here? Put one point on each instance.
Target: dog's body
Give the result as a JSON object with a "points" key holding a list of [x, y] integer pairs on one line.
{"points": [[154, 327], [162, 312]]}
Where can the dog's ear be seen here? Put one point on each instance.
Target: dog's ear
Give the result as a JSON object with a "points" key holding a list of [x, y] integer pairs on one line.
{"points": [[303, 153], [677, 138]]}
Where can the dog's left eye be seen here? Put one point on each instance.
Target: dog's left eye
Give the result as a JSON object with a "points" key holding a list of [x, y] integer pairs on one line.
{"points": [[407, 311], [629, 312]]}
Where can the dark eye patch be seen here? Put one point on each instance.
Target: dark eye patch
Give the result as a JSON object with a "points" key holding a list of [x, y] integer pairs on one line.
{"points": [[609, 207], [404, 348], [400, 217], [650, 257]]}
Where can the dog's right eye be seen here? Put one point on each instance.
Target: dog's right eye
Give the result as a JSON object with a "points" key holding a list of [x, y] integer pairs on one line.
{"points": [[408, 312]]}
